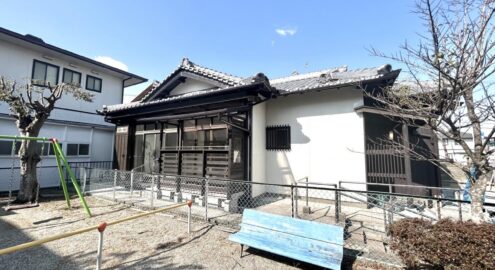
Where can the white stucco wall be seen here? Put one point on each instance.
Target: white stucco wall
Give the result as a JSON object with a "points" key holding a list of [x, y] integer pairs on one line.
{"points": [[258, 137], [101, 149], [327, 138], [16, 63], [190, 85]]}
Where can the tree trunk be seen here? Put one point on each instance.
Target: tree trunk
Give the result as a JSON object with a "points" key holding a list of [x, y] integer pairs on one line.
{"points": [[29, 158], [477, 197]]}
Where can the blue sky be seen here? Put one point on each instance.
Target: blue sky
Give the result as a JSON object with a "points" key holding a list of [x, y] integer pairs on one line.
{"points": [[242, 38]]}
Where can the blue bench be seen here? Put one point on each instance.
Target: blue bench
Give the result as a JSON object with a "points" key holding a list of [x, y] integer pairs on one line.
{"points": [[312, 242]]}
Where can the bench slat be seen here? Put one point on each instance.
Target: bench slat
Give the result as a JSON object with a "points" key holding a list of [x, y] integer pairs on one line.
{"points": [[316, 243], [285, 246], [304, 228]]}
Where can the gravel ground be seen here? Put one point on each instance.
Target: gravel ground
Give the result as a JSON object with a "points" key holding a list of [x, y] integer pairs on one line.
{"points": [[155, 242]]}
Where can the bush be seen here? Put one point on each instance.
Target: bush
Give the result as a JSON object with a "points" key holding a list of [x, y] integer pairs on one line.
{"points": [[445, 244]]}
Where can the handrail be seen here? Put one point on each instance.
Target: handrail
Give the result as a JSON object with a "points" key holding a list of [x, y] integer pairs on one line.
{"points": [[398, 185], [83, 230]]}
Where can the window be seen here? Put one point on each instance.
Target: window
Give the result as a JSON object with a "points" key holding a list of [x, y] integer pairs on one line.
{"points": [[93, 83], [6, 147], [47, 148], [71, 77], [77, 149], [492, 142], [44, 74], [278, 138]]}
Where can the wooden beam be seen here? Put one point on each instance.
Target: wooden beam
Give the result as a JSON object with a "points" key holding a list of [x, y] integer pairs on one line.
{"points": [[407, 156]]}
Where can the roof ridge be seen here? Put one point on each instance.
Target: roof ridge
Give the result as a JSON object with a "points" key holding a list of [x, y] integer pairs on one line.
{"points": [[334, 70], [307, 75], [186, 63]]}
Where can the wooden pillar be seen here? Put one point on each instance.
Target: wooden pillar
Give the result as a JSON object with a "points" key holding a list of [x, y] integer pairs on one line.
{"points": [[407, 156]]}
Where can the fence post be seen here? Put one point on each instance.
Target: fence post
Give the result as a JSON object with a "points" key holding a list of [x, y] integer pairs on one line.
{"points": [[99, 253], [132, 181], [307, 191], [439, 214], [206, 198], [114, 182], [458, 197], [152, 188], [385, 218], [84, 179], [292, 200], [337, 206], [297, 201], [189, 204]]}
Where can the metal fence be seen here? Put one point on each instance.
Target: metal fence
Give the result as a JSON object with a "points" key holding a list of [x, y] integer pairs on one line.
{"points": [[364, 215]]}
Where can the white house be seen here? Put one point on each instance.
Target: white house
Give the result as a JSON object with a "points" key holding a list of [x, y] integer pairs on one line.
{"points": [[84, 134], [205, 123]]}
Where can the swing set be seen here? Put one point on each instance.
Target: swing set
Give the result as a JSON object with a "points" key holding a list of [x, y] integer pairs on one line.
{"points": [[62, 163]]}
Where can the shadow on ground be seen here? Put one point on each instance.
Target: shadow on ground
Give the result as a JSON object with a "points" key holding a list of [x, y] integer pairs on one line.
{"points": [[11, 236]]}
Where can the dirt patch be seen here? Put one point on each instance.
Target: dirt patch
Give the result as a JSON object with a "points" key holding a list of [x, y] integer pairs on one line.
{"points": [[156, 242]]}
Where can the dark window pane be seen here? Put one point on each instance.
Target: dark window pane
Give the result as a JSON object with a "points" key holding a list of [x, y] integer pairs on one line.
{"points": [[170, 139], [5, 148], [76, 79], [189, 123], [138, 151], [204, 123], [97, 86], [67, 76], [219, 137], [52, 150], [72, 149], [201, 137], [149, 126], [51, 75], [39, 73], [90, 83], [190, 138], [139, 127], [83, 149]]}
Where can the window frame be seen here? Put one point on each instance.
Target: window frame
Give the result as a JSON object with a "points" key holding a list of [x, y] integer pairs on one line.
{"points": [[276, 143], [94, 78], [73, 71], [78, 149], [47, 64]]}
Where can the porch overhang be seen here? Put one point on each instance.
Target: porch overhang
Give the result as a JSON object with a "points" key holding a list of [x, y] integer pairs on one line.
{"points": [[221, 101]]}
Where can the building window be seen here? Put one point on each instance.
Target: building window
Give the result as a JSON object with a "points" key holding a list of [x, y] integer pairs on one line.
{"points": [[71, 77], [93, 83], [492, 142], [77, 149], [6, 147], [45, 149], [44, 74], [278, 137]]}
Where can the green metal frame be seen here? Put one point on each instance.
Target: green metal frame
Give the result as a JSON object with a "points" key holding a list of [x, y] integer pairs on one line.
{"points": [[61, 160]]}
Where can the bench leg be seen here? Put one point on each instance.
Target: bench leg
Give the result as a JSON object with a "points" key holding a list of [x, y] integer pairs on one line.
{"points": [[242, 248]]}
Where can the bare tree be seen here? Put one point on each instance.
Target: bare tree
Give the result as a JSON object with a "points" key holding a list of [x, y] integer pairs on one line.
{"points": [[449, 89], [31, 106]]}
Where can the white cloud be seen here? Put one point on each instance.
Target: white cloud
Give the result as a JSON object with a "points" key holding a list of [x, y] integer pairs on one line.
{"points": [[112, 62], [288, 31]]}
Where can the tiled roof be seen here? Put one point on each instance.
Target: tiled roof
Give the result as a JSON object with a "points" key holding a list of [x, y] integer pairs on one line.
{"points": [[187, 65], [327, 78], [296, 83], [146, 91], [137, 104]]}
